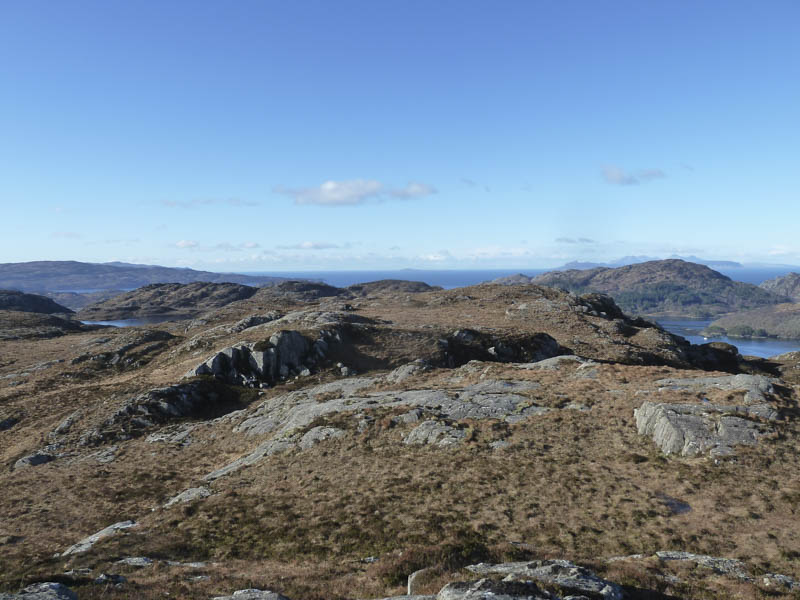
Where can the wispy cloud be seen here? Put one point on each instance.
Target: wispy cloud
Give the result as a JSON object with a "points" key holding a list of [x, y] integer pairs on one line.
{"points": [[353, 192], [580, 240], [617, 176], [186, 244], [65, 235], [201, 202], [311, 246]]}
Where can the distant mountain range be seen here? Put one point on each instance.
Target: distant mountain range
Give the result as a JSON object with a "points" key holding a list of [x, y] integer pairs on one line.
{"points": [[81, 277]]}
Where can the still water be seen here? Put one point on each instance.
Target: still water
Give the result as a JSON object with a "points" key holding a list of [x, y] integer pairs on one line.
{"points": [[691, 328], [135, 322]]}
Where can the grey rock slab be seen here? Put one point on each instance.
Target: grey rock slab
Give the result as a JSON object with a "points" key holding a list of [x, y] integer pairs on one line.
{"points": [[724, 566], [253, 594], [774, 579], [562, 573], [486, 589], [43, 591], [435, 433], [110, 579], [407, 371], [261, 452], [190, 495], [692, 429], [555, 363], [87, 543], [288, 413], [318, 434]]}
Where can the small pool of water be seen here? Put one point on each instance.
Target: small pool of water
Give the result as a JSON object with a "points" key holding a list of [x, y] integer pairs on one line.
{"points": [[763, 347], [135, 322]]}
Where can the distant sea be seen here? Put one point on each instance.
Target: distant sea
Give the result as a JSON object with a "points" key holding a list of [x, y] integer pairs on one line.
{"points": [[452, 278]]}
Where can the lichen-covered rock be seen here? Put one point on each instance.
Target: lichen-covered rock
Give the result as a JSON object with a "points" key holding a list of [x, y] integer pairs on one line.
{"points": [[692, 429], [486, 589], [564, 574], [189, 495], [32, 460], [42, 591], [86, 543], [757, 388], [435, 433], [318, 434]]}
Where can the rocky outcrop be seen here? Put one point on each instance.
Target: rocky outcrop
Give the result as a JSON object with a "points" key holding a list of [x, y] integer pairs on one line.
{"points": [[19, 301], [465, 345], [284, 354], [86, 543], [693, 429], [42, 591], [756, 388], [18, 325], [563, 574], [196, 399]]}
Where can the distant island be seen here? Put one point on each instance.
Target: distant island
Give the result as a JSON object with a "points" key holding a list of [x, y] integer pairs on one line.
{"points": [[671, 287]]}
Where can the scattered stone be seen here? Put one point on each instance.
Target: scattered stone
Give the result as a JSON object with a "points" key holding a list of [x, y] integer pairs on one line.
{"points": [[253, 321], [136, 561], [66, 424], [106, 579], [42, 591], [189, 495], [415, 580], [8, 423], [562, 573], [32, 460], [87, 543], [253, 594]]}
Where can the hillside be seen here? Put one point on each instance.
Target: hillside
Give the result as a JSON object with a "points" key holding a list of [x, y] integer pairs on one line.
{"points": [[788, 286], [779, 321], [327, 445], [166, 299], [72, 276], [14, 300], [661, 287]]}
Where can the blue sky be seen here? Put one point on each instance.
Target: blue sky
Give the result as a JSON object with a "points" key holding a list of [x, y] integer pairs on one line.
{"points": [[257, 135]]}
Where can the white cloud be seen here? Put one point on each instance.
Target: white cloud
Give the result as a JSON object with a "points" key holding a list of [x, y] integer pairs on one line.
{"points": [[251, 245], [580, 240], [618, 176], [414, 189], [310, 246], [353, 192], [186, 244]]}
